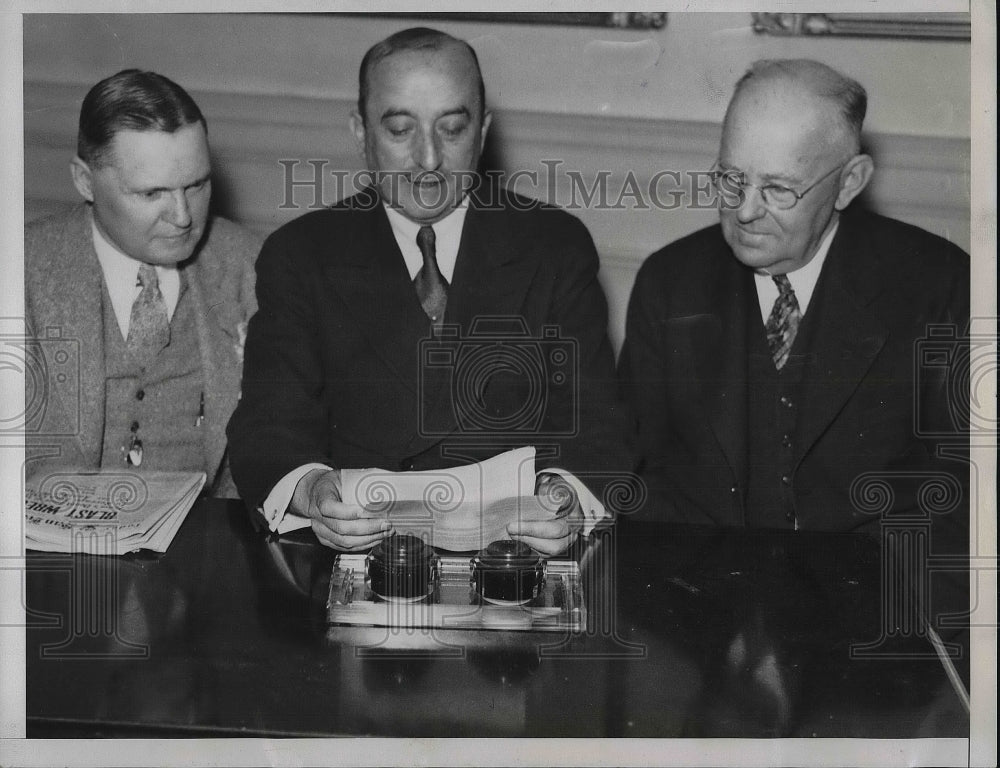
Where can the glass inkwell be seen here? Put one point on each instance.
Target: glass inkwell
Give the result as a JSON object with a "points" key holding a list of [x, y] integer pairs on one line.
{"points": [[402, 568], [508, 572]]}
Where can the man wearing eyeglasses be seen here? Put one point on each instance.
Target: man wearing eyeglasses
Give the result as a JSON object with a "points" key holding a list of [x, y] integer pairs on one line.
{"points": [[772, 359]]}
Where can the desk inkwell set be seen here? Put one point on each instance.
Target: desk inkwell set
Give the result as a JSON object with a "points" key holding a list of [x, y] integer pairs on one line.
{"points": [[403, 582]]}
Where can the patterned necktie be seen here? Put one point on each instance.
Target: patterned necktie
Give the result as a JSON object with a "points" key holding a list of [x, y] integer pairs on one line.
{"points": [[432, 288], [783, 322], [149, 326]]}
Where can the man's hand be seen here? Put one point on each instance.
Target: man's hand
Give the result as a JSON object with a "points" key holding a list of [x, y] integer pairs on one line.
{"points": [[550, 537], [336, 524]]}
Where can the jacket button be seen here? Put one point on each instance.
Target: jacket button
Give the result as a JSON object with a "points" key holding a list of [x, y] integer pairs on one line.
{"points": [[733, 489], [140, 394], [406, 465], [786, 479]]}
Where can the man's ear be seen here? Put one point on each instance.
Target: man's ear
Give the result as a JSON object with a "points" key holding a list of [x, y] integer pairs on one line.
{"points": [[853, 179], [357, 124], [487, 122], [82, 178]]}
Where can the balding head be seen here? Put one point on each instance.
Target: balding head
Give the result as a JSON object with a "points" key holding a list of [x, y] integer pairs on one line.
{"points": [[415, 39], [812, 84]]}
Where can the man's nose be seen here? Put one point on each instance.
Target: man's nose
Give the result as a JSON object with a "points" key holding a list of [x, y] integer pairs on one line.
{"points": [[751, 204], [427, 153], [179, 212]]}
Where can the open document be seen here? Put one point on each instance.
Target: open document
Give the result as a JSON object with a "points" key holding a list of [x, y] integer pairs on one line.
{"points": [[107, 512], [461, 508]]}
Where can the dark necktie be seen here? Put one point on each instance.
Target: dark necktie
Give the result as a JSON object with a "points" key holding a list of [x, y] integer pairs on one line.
{"points": [[432, 288], [783, 322], [149, 326]]}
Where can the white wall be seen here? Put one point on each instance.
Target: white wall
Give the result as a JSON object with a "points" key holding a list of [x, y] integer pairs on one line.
{"points": [[682, 72], [281, 86]]}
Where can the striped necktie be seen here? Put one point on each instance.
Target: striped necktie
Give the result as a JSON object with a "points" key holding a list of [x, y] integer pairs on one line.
{"points": [[149, 326], [783, 323], [432, 288]]}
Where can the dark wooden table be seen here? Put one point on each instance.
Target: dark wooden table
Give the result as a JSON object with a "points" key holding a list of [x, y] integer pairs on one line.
{"points": [[692, 632]]}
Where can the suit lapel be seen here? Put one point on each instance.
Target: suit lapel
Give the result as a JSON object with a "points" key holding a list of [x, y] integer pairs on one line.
{"points": [[847, 334], [493, 272], [719, 348], [371, 280], [492, 276], [72, 306]]}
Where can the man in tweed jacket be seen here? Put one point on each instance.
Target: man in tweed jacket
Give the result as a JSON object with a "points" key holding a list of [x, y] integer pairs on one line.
{"points": [[101, 389]]}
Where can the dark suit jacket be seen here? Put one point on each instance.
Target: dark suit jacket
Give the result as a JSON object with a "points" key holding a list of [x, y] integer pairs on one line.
{"points": [[340, 370], [869, 402], [63, 297]]}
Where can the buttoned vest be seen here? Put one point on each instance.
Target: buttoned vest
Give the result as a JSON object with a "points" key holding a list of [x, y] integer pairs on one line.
{"points": [[160, 406], [774, 399]]}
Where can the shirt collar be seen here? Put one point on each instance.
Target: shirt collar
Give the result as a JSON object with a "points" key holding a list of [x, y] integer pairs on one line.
{"points": [[407, 228], [120, 275], [803, 280], [447, 237]]}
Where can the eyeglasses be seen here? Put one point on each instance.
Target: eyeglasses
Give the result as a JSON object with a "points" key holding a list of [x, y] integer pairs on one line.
{"points": [[731, 184]]}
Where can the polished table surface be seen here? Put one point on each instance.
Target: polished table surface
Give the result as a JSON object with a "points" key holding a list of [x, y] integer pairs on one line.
{"points": [[691, 632]]}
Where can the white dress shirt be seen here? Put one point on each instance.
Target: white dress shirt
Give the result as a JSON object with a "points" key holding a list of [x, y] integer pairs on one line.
{"points": [[803, 280], [121, 273], [447, 238]]}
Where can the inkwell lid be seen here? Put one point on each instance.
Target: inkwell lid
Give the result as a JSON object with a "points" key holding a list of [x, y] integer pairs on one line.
{"points": [[508, 555], [401, 550]]}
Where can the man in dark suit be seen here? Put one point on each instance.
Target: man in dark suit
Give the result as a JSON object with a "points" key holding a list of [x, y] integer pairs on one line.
{"points": [[137, 299], [428, 321], [772, 360]]}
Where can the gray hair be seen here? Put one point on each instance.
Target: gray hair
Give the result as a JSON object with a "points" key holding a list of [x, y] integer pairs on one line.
{"points": [[846, 94]]}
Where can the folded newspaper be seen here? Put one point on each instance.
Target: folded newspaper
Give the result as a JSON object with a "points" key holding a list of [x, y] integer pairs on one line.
{"points": [[105, 512]]}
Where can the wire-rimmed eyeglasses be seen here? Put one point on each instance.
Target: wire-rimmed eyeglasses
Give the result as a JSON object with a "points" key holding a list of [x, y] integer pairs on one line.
{"points": [[731, 184]]}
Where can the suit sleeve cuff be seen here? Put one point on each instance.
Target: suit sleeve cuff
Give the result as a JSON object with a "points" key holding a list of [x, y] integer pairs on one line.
{"points": [[593, 510], [275, 506]]}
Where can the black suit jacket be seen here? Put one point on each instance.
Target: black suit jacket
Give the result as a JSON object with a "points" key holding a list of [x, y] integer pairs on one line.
{"points": [[870, 404], [340, 369]]}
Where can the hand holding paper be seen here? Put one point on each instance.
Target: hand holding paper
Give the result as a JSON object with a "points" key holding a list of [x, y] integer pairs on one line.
{"points": [[460, 508], [554, 535], [465, 508], [336, 524]]}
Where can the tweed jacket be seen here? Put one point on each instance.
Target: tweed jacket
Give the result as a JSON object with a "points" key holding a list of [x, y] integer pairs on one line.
{"points": [[65, 383]]}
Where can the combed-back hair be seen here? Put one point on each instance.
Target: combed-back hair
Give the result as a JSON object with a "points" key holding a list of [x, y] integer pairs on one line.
{"points": [[131, 100], [848, 95], [413, 39]]}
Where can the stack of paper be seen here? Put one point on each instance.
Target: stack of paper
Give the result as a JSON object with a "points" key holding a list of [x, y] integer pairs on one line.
{"points": [[461, 509], [105, 512]]}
